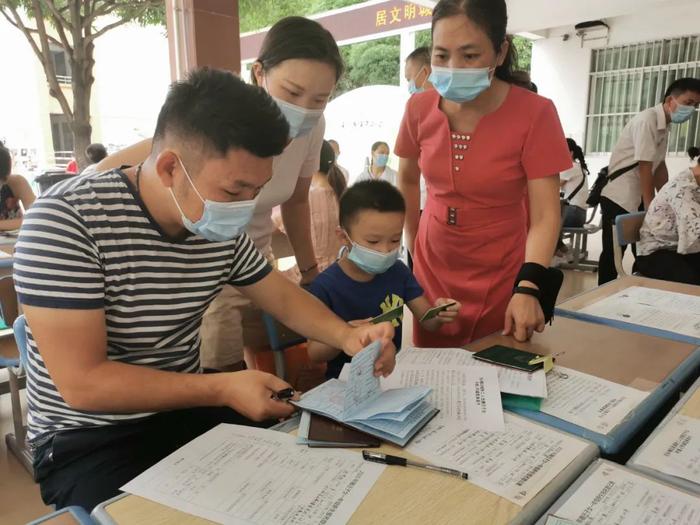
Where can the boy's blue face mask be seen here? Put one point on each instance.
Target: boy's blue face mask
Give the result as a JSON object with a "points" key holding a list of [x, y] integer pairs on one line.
{"points": [[371, 261], [221, 221]]}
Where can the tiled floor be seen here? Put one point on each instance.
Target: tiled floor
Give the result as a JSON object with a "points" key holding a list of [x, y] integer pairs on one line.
{"points": [[19, 495]]}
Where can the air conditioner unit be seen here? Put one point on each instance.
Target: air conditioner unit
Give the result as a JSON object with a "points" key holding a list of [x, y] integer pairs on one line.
{"points": [[592, 31]]}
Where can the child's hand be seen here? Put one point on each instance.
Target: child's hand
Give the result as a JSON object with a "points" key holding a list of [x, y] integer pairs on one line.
{"points": [[449, 315]]}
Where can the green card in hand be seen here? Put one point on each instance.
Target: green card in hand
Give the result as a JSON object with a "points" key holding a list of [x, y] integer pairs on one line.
{"points": [[388, 316], [435, 311]]}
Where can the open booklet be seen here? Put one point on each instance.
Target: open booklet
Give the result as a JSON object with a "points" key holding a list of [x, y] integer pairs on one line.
{"points": [[392, 415]]}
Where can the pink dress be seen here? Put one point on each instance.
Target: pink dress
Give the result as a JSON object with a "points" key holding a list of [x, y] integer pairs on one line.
{"points": [[472, 234], [324, 224]]}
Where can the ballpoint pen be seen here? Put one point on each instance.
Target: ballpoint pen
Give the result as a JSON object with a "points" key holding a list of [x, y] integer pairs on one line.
{"points": [[387, 459], [283, 395]]}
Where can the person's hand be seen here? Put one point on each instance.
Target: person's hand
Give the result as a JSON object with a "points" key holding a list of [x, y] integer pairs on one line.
{"points": [[360, 322], [249, 393], [524, 316], [361, 336], [308, 277], [449, 315]]}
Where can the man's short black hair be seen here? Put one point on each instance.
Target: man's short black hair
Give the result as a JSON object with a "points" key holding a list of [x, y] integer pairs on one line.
{"points": [[682, 85], [95, 152], [420, 55], [222, 112], [376, 195], [5, 162]]}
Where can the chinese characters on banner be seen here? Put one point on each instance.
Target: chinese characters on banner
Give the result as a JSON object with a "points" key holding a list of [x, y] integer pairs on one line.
{"points": [[397, 14]]}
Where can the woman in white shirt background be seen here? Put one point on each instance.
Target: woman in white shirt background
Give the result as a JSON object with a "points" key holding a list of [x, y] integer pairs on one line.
{"points": [[299, 65], [336, 149], [669, 245], [327, 186], [574, 192], [377, 167], [574, 188]]}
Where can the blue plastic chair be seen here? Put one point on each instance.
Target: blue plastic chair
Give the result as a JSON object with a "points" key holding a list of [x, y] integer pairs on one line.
{"points": [[77, 513], [280, 338], [578, 237], [19, 327], [6, 362], [9, 362], [16, 442]]}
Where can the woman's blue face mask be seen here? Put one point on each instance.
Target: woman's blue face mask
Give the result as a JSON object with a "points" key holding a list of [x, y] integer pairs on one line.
{"points": [[461, 84]]}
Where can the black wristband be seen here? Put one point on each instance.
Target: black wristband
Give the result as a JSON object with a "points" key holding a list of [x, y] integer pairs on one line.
{"points": [[533, 272], [526, 290]]}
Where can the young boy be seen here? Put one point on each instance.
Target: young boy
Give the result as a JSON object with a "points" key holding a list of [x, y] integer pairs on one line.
{"points": [[369, 280]]}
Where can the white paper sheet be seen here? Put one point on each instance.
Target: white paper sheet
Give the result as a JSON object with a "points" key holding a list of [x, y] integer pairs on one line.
{"points": [[469, 394], [613, 496], [588, 401], [675, 450], [511, 381], [304, 427], [434, 357], [515, 464], [555, 520], [659, 309], [243, 475]]}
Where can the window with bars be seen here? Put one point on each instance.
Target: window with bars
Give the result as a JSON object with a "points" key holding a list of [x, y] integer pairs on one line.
{"points": [[61, 133], [631, 78], [61, 64]]}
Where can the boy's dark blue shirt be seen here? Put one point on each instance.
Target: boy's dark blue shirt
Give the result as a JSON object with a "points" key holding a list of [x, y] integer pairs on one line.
{"points": [[353, 300]]}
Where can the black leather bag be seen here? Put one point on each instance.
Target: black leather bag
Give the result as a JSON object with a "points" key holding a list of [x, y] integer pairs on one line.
{"points": [[602, 180]]}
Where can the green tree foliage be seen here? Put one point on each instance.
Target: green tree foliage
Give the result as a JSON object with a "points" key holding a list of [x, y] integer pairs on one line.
{"points": [[523, 48], [424, 38], [256, 14], [371, 63]]}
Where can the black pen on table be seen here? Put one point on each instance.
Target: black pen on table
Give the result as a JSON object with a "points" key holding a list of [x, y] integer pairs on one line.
{"points": [[388, 459]]}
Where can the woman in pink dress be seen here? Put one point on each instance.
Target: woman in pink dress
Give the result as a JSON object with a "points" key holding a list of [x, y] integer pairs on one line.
{"points": [[490, 153], [327, 186]]}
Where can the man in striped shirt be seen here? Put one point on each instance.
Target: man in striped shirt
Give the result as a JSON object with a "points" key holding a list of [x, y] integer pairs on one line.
{"points": [[114, 272]]}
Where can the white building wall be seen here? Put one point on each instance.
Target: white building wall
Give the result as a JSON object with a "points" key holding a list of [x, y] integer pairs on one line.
{"points": [[132, 74], [561, 68], [22, 104]]}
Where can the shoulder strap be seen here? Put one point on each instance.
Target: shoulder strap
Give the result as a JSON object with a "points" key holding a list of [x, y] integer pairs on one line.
{"points": [[621, 171], [578, 188]]}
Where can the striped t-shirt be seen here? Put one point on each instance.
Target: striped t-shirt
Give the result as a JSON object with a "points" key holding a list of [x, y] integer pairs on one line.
{"points": [[90, 243]]}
